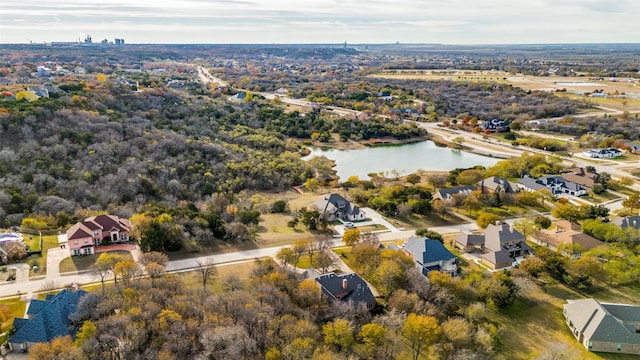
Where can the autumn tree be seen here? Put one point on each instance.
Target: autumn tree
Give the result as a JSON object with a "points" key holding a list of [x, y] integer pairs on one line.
{"points": [[58, 348], [525, 226], [15, 251], [338, 333], [286, 256], [104, 266], [351, 237], [420, 332], [632, 202], [486, 219]]}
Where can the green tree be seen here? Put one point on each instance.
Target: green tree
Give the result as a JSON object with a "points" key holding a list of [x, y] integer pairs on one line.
{"points": [[286, 256], [420, 332], [86, 332], [525, 226], [104, 266], [424, 232], [312, 184]]}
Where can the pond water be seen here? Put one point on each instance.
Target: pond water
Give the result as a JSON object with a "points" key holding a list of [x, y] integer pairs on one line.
{"points": [[403, 159]]}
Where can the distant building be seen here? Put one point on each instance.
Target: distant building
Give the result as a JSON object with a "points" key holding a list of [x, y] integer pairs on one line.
{"points": [[602, 153], [447, 194], [496, 184], [604, 327]]}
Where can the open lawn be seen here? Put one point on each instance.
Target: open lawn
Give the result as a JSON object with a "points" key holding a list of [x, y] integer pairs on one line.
{"points": [[414, 221], [534, 323], [16, 308], [274, 231], [48, 242], [84, 263]]}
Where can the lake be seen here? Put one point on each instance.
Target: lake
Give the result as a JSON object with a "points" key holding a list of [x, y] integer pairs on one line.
{"points": [[405, 159]]}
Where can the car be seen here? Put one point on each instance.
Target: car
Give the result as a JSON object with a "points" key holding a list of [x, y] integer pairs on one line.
{"points": [[349, 225]]}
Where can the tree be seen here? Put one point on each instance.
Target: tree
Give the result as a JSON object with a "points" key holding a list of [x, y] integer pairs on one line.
{"points": [[15, 250], [532, 265], [542, 221], [437, 181], [458, 330], [323, 260], [104, 266], [487, 218], [424, 232], [207, 270], [420, 331], [86, 332], [299, 248], [351, 237], [312, 184], [279, 206], [458, 140], [338, 333], [526, 227], [632, 202], [471, 203], [59, 348], [441, 207], [286, 256], [413, 178], [374, 337], [125, 270]]}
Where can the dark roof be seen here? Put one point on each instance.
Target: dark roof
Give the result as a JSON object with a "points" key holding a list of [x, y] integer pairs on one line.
{"points": [[36, 306], [445, 193], [52, 321], [498, 235], [498, 257], [627, 221], [357, 290], [425, 250], [341, 204], [530, 183], [604, 322], [19, 322], [469, 239], [496, 183]]}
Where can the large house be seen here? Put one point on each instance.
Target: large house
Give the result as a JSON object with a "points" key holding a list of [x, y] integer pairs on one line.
{"points": [[431, 255], [582, 177], [46, 320], [627, 221], [602, 153], [565, 235], [604, 327], [556, 184], [85, 235], [447, 194], [495, 184], [500, 245], [337, 207], [348, 288]]}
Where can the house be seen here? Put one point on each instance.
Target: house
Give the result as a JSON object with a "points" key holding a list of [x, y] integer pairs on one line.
{"points": [[47, 320], [556, 184], [495, 125], [604, 327], [85, 235], [385, 95], [337, 207], [627, 221], [602, 153], [581, 176], [447, 194], [40, 91], [431, 255], [348, 288], [632, 147], [568, 234], [281, 91], [500, 245], [495, 184], [241, 96]]}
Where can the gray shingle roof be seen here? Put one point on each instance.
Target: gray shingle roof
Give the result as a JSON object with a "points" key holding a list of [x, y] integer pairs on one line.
{"points": [[598, 323], [529, 183], [446, 193], [356, 290], [425, 250], [469, 239], [496, 236], [498, 257]]}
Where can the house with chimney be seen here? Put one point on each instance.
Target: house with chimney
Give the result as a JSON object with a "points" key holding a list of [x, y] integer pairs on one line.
{"points": [[586, 178], [84, 236], [495, 184], [347, 288], [499, 247], [567, 237]]}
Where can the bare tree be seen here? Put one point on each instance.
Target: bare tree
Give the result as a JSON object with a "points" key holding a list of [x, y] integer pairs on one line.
{"points": [[207, 270]]}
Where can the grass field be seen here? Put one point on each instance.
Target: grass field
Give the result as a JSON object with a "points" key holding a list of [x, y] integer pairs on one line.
{"points": [[83, 263]]}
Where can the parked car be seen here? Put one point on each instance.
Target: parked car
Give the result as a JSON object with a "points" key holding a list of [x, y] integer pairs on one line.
{"points": [[349, 225]]}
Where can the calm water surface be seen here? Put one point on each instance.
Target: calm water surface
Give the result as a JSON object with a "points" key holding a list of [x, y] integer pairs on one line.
{"points": [[405, 159]]}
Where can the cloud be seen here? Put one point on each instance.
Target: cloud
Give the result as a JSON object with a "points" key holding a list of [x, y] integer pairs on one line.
{"points": [[451, 21]]}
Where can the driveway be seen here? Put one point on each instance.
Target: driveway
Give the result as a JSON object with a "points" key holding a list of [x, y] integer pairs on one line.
{"points": [[54, 258]]}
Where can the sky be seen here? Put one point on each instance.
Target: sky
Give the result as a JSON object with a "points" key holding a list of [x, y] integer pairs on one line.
{"points": [[322, 21]]}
